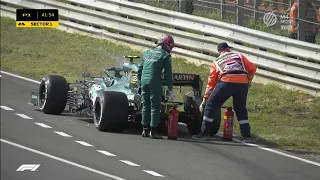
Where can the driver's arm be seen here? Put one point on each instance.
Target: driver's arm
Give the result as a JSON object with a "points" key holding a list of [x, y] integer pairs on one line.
{"points": [[168, 72], [140, 69]]}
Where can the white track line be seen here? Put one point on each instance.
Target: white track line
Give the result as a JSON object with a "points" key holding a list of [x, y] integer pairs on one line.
{"points": [[6, 108], [290, 156], [248, 144], [106, 153], [43, 125], [20, 77], [153, 173], [269, 150], [84, 143], [129, 163], [275, 151], [62, 134], [63, 160], [23, 116]]}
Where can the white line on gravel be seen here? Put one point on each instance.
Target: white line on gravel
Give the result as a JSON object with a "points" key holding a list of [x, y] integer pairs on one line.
{"points": [[6, 108], [84, 143], [62, 134], [153, 173], [63, 160], [106, 153], [23, 116], [43, 125], [129, 163]]}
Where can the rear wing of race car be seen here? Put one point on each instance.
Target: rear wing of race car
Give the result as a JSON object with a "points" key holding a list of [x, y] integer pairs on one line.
{"points": [[185, 79]]}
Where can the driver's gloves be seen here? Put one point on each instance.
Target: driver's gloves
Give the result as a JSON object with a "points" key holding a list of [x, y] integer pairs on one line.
{"points": [[171, 95]]}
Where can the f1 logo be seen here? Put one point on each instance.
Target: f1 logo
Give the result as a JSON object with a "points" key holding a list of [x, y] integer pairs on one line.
{"points": [[30, 167]]}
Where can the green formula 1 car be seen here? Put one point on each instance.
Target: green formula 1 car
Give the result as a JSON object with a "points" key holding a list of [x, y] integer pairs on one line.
{"points": [[114, 98]]}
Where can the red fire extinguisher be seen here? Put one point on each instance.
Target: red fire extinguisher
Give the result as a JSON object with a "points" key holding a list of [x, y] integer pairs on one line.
{"points": [[172, 123], [228, 124]]}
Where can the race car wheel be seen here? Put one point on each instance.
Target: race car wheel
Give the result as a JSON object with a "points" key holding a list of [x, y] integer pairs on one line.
{"points": [[110, 111], [215, 126], [192, 115], [53, 94], [194, 119]]}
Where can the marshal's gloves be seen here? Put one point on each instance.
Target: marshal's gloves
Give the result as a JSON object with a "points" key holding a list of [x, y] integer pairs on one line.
{"points": [[201, 107]]}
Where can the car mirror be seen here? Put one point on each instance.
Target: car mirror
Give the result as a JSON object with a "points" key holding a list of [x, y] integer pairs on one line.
{"points": [[85, 75]]}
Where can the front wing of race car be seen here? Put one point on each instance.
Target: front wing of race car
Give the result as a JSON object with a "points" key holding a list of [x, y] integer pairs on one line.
{"points": [[34, 98]]}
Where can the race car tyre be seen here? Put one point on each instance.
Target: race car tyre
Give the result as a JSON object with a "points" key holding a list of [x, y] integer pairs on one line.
{"points": [[53, 94], [194, 122], [163, 128], [192, 115], [215, 126], [110, 112]]}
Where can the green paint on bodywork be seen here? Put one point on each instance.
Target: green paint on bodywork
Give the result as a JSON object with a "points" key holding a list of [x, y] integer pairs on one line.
{"points": [[123, 80]]}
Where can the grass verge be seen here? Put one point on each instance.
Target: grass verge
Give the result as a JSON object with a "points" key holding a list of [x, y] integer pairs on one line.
{"points": [[283, 118]]}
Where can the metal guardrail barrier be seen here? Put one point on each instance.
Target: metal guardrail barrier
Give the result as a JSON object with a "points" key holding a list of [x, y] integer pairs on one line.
{"points": [[195, 37]]}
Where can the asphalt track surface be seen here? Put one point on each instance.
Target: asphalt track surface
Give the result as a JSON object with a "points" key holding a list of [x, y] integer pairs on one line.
{"points": [[70, 148]]}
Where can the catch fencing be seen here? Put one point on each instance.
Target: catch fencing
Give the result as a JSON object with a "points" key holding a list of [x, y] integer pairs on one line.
{"points": [[267, 15]]}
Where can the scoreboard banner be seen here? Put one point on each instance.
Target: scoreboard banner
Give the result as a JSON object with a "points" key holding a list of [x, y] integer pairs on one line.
{"points": [[37, 18]]}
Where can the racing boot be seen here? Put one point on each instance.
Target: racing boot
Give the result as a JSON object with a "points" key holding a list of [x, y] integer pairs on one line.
{"points": [[145, 131], [154, 133], [205, 135]]}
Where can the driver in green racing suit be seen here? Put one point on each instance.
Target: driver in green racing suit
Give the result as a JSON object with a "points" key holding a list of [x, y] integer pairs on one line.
{"points": [[154, 61]]}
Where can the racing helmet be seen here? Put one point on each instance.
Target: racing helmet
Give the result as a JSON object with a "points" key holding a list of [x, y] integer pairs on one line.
{"points": [[168, 41]]}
